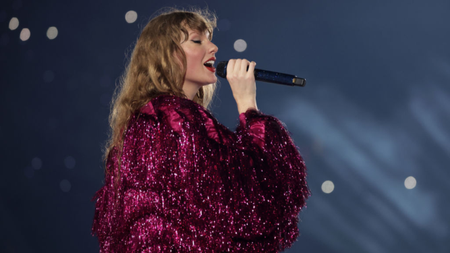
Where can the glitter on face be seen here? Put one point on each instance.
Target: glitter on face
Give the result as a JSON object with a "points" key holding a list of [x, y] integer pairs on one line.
{"points": [[189, 184]]}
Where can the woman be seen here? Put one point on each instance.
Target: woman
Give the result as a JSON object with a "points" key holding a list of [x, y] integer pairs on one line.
{"points": [[176, 179]]}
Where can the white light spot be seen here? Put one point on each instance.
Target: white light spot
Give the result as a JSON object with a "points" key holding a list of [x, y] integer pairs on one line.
{"points": [[131, 17], [410, 182], [25, 34], [328, 186], [65, 185], [240, 45], [69, 162], [36, 163], [52, 32], [13, 23]]}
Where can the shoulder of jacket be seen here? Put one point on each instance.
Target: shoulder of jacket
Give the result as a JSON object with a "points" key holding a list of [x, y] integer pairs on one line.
{"points": [[166, 103]]}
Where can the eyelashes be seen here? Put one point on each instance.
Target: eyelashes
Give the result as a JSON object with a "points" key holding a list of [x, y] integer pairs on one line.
{"points": [[199, 41]]}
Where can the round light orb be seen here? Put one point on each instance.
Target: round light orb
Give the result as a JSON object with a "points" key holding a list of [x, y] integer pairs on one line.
{"points": [[36, 163], [13, 23], [70, 162], [65, 185], [52, 33], [130, 17], [25, 34], [327, 187], [410, 182], [240, 45]]}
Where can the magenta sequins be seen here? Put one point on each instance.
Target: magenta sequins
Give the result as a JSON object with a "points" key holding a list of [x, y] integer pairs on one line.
{"points": [[189, 184]]}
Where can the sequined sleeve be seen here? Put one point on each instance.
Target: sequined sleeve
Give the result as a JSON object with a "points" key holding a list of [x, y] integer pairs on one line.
{"points": [[190, 184]]}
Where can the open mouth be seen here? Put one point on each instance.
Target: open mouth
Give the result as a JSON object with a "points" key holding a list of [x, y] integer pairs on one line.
{"points": [[210, 64]]}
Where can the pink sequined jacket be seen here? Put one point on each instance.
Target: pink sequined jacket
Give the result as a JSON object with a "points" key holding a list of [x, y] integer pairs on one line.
{"points": [[189, 184]]}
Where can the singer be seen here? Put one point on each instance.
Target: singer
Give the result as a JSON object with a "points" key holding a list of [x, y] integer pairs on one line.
{"points": [[176, 180]]}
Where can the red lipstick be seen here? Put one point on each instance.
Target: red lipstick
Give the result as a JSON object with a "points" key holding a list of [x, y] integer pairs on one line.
{"points": [[209, 64]]}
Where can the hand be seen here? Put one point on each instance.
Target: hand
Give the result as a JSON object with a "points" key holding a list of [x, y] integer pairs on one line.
{"points": [[242, 82]]}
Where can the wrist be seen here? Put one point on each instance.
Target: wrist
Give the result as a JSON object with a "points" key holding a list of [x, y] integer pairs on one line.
{"points": [[243, 107]]}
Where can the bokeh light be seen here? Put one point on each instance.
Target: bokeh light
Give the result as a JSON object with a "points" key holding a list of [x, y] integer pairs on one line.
{"points": [[36, 163], [25, 34], [65, 185], [327, 187], [240, 45], [344, 124], [70, 162], [410, 182], [130, 17], [52, 32], [13, 23]]}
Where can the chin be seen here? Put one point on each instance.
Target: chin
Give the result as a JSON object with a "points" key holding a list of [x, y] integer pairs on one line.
{"points": [[210, 82]]}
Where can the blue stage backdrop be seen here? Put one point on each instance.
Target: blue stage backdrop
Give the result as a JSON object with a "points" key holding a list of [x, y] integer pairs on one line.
{"points": [[372, 122]]}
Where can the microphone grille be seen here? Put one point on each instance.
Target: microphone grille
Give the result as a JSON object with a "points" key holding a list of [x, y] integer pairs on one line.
{"points": [[221, 69]]}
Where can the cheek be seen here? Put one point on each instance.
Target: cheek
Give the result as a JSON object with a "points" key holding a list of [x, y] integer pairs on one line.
{"points": [[192, 60]]}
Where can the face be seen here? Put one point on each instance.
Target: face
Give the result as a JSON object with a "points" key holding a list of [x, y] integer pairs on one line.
{"points": [[200, 57]]}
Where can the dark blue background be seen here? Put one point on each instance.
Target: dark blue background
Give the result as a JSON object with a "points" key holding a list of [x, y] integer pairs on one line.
{"points": [[376, 109]]}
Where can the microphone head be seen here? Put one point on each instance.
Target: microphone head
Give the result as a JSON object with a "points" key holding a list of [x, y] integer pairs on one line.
{"points": [[221, 69]]}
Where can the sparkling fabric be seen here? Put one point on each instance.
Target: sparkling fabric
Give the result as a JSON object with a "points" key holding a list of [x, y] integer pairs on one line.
{"points": [[189, 184]]}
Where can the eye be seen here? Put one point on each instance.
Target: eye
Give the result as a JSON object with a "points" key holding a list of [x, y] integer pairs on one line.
{"points": [[197, 41]]}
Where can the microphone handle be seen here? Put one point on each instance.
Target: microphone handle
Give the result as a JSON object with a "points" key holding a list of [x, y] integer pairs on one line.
{"points": [[265, 76], [279, 78]]}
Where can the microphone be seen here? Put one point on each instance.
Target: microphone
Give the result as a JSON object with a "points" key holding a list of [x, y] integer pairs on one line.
{"points": [[266, 76]]}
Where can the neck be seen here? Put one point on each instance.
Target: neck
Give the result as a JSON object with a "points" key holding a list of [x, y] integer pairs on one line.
{"points": [[190, 91]]}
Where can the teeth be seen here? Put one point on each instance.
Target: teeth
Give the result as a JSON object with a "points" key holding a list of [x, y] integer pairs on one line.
{"points": [[210, 62]]}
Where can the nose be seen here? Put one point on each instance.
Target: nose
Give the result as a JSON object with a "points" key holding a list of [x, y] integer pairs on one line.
{"points": [[213, 48]]}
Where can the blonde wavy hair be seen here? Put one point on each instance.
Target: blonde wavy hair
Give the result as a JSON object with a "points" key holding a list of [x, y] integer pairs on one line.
{"points": [[153, 70]]}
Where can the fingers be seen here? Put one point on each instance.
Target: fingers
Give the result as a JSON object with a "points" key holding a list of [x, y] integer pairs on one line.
{"points": [[230, 67], [240, 67], [240, 76], [251, 67]]}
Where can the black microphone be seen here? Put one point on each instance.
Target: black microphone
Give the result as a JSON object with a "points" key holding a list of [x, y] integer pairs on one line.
{"points": [[266, 76]]}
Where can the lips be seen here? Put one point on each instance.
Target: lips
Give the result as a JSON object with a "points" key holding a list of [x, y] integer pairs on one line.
{"points": [[209, 64]]}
